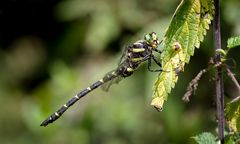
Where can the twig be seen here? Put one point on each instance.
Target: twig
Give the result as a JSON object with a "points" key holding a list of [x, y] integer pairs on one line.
{"points": [[193, 86], [219, 74], [233, 78], [234, 100]]}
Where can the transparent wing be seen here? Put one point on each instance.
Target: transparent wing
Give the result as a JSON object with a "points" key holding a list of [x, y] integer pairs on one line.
{"points": [[124, 56], [107, 84], [117, 79]]}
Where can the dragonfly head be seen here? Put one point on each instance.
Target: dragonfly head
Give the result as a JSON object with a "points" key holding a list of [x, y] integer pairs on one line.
{"points": [[152, 40]]}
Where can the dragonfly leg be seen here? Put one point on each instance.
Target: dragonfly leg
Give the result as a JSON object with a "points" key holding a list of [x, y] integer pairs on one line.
{"points": [[157, 62], [158, 51], [149, 66]]}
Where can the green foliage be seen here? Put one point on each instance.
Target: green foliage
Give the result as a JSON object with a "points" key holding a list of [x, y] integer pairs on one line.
{"points": [[232, 113], [39, 73], [187, 29], [205, 138], [232, 138], [233, 42]]}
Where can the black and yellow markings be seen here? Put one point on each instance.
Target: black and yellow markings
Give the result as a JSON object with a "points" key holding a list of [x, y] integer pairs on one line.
{"points": [[136, 59], [76, 96], [114, 73], [101, 80], [56, 114], [88, 88], [138, 50], [130, 70]]}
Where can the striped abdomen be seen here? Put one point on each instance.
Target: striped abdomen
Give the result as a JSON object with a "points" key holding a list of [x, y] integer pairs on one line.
{"points": [[81, 94]]}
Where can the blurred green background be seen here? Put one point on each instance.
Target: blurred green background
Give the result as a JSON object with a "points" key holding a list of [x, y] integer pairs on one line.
{"points": [[50, 50]]}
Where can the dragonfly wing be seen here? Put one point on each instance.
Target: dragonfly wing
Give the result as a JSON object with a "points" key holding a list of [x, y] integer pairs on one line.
{"points": [[124, 56], [115, 80]]}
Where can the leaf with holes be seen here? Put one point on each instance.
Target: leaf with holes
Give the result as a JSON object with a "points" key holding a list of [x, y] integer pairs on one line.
{"points": [[187, 29]]}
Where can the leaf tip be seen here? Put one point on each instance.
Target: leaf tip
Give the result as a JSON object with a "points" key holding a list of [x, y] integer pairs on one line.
{"points": [[158, 103]]}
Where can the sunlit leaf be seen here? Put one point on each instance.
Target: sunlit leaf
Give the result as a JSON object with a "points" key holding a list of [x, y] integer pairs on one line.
{"points": [[233, 42], [185, 32], [205, 138], [232, 112]]}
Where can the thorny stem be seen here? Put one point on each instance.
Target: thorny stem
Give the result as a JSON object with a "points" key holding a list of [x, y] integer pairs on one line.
{"points": [[219, 74]]}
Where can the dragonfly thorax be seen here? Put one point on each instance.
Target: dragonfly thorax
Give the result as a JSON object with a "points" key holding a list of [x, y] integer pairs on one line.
{"points": [[136, 54]]}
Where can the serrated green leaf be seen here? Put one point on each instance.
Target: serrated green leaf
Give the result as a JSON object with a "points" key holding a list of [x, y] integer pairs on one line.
{"points": [[205, 138], [186, 30], [233, 42], [232, 113]]}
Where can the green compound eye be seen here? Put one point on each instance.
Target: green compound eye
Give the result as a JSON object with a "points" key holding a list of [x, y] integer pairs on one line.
{"points": [[148, 38], [152, 39]]}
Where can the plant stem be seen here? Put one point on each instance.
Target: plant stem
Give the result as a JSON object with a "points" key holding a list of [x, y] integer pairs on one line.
{"points": [[219, 76], [231, 75]]}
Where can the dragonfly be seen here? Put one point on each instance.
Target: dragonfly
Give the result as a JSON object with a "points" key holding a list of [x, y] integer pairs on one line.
{"points": [[132, 57]]}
